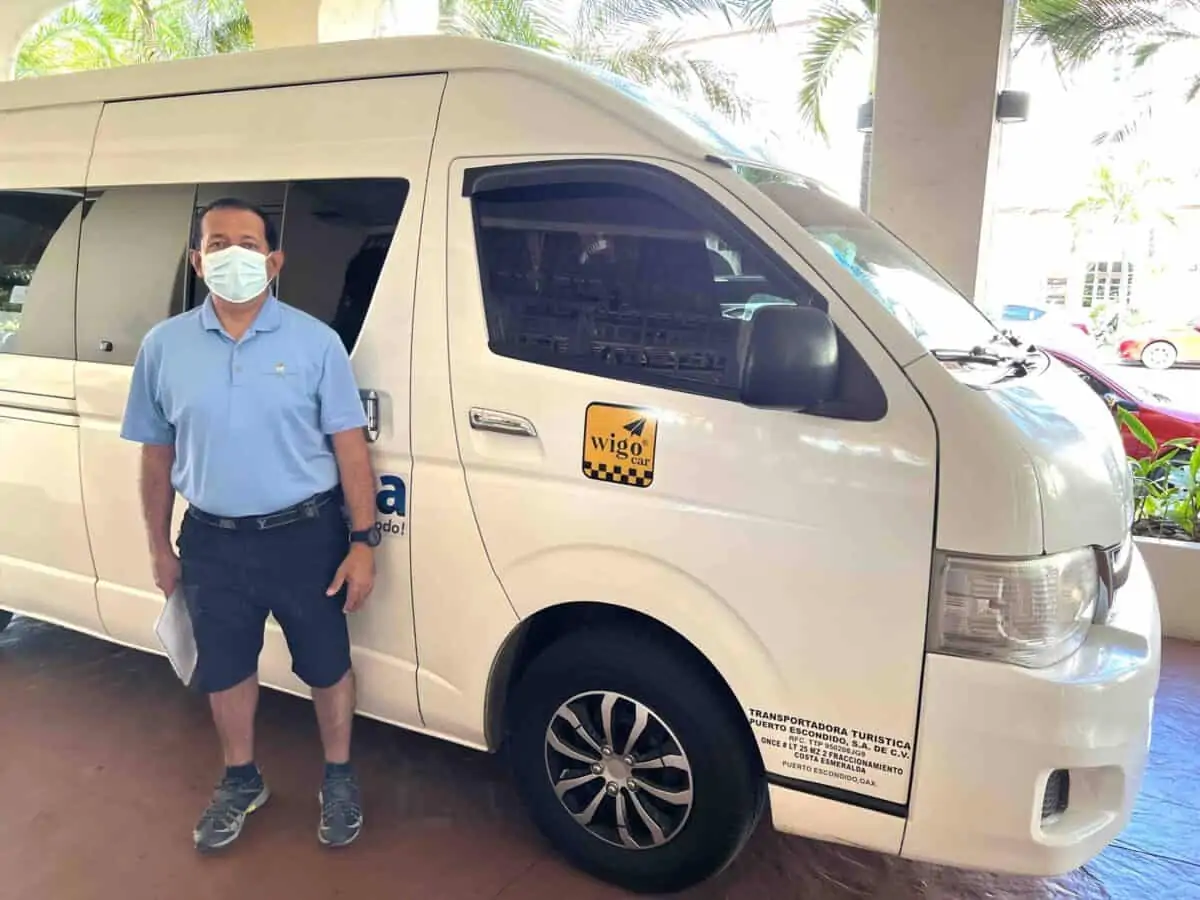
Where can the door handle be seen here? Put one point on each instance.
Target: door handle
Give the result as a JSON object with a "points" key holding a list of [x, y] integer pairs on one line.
{"points": [[370, 402], [501, 422]]}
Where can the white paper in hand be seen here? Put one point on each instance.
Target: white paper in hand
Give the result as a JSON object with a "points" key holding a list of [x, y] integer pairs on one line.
{"points": [[174, 630]]}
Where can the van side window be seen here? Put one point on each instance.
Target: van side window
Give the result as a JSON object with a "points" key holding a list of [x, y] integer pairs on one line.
{"points": [[335, 235], [39, 246], [612, 280], [132, 267], [135, 269], [268, 196]]}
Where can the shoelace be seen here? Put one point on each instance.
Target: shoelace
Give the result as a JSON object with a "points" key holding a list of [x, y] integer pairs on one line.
{"points": [[340, 797], [223, 811]]}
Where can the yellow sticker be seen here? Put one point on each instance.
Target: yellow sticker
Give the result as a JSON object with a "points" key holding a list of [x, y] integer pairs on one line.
{"points": [[618, 444]]}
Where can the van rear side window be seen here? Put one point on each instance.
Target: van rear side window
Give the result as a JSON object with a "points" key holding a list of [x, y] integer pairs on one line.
{"points": [[135, 268], [39, 244]]}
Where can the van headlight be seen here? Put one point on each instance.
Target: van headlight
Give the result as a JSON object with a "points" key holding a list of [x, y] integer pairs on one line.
{"points": [[1032, 612]]}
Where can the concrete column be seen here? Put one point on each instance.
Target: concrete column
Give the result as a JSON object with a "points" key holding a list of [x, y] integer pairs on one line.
{"points": [[287, 23], [939, 67], [283, 23]]}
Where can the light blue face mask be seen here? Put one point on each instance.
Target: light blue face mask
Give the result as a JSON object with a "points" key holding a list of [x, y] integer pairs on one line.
{"points": [[235, 274]]}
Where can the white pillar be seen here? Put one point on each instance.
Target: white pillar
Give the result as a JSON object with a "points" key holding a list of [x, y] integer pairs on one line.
{"points": [[350, 20], [284, 23], [940, 65]]}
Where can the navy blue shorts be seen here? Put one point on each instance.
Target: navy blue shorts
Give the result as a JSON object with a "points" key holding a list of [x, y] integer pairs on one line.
{"points": [[233, 579]]}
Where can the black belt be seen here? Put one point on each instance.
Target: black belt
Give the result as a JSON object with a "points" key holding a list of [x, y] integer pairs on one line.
{"points": [[302, 511]]}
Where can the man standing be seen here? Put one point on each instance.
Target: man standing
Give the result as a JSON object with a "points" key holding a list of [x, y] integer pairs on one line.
{"points": [[249, 409]]}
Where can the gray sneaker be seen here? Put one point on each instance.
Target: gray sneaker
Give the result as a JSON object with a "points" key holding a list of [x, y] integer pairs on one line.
{"points": [[341, 811], [232, 801]]}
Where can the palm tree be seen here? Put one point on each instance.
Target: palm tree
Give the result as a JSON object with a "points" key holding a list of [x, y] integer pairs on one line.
{"points": [[1127, 206], [1074, 31], [97, 34], [637, 39], [1157, 40]]}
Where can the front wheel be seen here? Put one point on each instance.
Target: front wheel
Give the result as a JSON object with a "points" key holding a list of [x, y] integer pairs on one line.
{"points": [[1159, 355], [632, 763], [5, 618]]}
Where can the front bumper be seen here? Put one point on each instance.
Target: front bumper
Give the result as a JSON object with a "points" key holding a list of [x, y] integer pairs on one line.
{"points": [[991, 735]]}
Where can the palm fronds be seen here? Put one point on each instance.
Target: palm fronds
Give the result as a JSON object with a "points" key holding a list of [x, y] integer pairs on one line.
{"points": [[838, 30]]}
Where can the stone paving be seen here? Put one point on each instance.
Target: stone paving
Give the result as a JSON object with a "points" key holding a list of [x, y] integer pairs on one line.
{"points": [[107, 762]]}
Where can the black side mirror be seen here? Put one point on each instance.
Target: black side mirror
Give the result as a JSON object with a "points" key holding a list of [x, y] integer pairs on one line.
{"points": [[792, 361], [1114, 401]]}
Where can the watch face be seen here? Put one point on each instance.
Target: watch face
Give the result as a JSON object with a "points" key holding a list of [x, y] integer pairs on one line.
{"points": [[369, 536]]}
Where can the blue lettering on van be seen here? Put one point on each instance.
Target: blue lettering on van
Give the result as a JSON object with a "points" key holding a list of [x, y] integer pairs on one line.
{"points": [[391, 502]]}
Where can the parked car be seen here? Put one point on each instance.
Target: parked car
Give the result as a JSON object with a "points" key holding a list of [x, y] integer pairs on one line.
{"points": [[1023, 312], [1157, 411], [1049, 328], [1162, 346]]}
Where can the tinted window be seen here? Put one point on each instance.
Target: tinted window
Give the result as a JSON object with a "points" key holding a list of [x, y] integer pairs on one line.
{"points": [[135, 268], [615, 281], [132, 267], [1098, 386], [336, 236], [39, 245]]}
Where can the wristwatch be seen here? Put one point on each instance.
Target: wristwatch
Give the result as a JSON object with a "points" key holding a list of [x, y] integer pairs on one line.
{"points": [[369, 536]]}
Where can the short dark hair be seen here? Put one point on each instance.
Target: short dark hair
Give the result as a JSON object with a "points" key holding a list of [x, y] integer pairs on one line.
{"points": [[269, 229]]}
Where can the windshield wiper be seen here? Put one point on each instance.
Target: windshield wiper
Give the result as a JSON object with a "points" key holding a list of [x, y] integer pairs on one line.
{"points": [[982, 356]]}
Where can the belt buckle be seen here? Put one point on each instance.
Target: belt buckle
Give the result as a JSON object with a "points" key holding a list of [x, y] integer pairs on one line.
{"points": [[309, 508]]}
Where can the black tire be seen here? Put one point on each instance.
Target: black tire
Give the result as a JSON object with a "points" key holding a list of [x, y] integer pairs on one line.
{"points": [[726, 780], [5, 618]]}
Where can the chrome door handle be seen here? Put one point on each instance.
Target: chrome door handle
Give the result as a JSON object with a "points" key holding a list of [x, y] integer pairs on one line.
{"points": [[370, 402], [501, 422]]}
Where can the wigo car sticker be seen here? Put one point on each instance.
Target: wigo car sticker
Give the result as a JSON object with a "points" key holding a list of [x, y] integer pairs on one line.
{"points": [[391, 503], [618, 444]]}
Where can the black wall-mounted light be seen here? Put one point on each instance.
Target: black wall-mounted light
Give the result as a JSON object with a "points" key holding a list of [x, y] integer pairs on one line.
{"points": [[1012, 107], [866, 116]]}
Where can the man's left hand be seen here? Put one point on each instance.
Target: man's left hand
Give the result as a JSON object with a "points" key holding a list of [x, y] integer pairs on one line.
{"points": [[357, 573]]}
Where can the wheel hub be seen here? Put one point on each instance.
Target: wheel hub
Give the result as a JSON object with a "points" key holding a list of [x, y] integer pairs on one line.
{"points": [[618, 770]]}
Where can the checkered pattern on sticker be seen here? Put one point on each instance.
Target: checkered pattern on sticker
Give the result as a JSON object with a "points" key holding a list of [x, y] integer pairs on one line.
{"points": [[629, 475]]}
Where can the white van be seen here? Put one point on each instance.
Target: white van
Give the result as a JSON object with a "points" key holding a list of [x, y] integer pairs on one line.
{"points": [[699, 490]]}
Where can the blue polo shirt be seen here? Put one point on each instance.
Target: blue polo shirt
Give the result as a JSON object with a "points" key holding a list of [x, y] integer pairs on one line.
{"points": [[250, 419]]}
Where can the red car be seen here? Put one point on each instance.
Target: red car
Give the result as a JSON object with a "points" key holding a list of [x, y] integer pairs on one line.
{"points": [[1165, 421]]}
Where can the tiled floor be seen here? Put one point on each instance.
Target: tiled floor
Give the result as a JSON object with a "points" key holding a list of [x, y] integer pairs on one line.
{"points": [[105, 762]]}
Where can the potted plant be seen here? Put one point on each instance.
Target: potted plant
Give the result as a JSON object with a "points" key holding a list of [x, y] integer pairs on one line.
{"points": [[1166, 521]]}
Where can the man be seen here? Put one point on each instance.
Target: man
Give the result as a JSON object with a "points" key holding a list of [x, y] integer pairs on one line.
{"points": [[249, 409]]}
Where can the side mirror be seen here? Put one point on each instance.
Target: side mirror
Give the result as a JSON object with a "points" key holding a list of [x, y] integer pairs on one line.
{"points": [[792, 360], [1114, 401]]}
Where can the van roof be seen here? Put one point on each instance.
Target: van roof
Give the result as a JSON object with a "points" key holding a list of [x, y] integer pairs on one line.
{"points": [[676, 126]]}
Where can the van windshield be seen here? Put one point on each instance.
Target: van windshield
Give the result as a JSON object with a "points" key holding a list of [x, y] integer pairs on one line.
{"points": [[903, 283]]}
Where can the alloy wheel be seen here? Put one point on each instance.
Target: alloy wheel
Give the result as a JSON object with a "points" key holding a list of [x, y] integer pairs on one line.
{"points": [[619, 770]]}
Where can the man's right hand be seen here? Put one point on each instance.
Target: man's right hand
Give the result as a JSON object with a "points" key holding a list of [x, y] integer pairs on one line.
{"points": [[167, 571]]}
